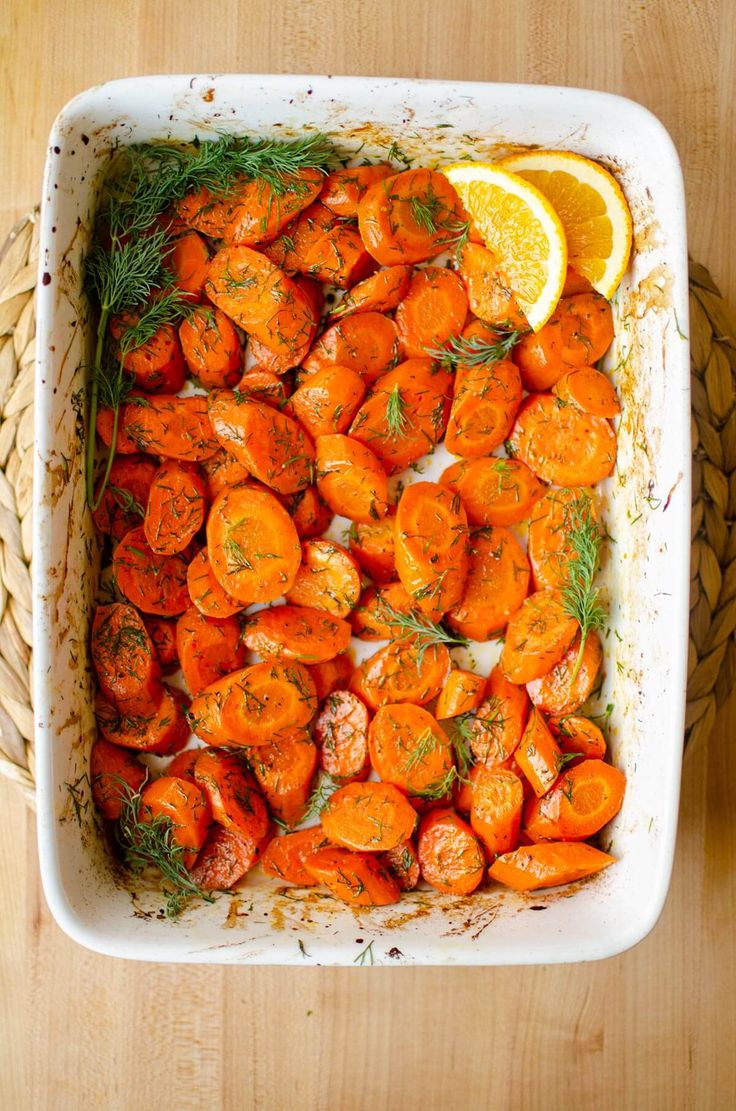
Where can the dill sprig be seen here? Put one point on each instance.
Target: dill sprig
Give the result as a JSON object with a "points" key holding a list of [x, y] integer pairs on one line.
{"points": [[581, 597], [396, 419], [425, 632], [319, 798], [432, 215], [469, 351]]}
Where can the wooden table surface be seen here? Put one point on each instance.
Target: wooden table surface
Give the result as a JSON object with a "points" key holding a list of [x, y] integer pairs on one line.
{"points": [[652, 1029]]}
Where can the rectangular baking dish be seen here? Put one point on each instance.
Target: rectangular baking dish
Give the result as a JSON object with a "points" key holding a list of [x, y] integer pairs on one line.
{"points": [[648, 502]]}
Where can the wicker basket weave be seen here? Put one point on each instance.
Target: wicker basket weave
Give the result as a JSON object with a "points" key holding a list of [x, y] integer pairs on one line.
{"points": [[712, 649]]}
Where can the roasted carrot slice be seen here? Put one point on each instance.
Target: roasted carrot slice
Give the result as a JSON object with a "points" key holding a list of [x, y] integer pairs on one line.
{"points": [[331, 675], [290, 249], [583, 800], [463, 692], [495, 815], [211, 348], [327, 401], [434, 308], [270, 444], [188, 261], [207, 212], [176, 507], [338, 258], [497, 491], [156, 365], [575, 283], [162, 731], [406, 413], [309, 513], [298, 633], [537, 637], [222, 470], [115, 774], [285, 771], [487, 399], [579, 736], [500, 721], [368, 817], [488, 293], [403, 864], [450, 855], [173, 427], [550, 535], [344, 189], [328, 578], [590, 390], [558, 692], [372, 619], [185, 805], [261, 300], [341, 732], [262, 703], [562, 444], [123, 504], [373, 545], [208, 648], [154, 583], [260, 213], [252, 544], [124, 659], [285, 856], [539, 755], [578, 333], [382, 292], [205, 590], [496, 584], [264, 386], [232, 794], [368, 343], [350, 479], [358, 879], [225, 858], [411, 750], [410, 217], [182, 765], [535, 866], [162, 631], [401, 672], [431, 547]]}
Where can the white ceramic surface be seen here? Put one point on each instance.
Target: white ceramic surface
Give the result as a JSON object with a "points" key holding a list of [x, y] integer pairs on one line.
{"points": [[648, 517]]}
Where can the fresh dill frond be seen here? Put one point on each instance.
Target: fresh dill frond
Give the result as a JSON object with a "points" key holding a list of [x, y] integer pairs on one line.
{"points": [[460, 732], [396, 419], [365, 956], [169, 308], [471, 351], [440, 787], [425, 743], [581, 598], [425, 632], [432, 215], [127, 276], [319, 798]]}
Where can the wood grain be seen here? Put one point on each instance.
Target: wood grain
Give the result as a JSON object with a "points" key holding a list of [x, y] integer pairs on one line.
{"points": [[649, 1030]]}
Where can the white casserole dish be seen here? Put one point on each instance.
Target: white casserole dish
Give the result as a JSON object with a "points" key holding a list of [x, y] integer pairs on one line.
{"points": [[648, 516]]}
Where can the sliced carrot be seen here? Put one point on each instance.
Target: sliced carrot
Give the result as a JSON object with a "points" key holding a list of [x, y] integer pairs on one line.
{"points": [[535, 866], [208, 648], [550, 539], [263, 385], [344, 189], [232, 794], [154, 583], [173, 427], [358, 879], [182, 765], [583, 800], [488, 292], [450, 855], [487, 399], [176, 507], [410, 217], [367, 342], [495, 816], [331, 675], [309, 513], [188, 261], [575, 283], [223, 470], [382, 292], [462, 791], [338, 258], [205, 590], [285, 770], [270, 444], [577, 735], [403, 864], [433, 309], [211, 347], [431, 547], [500, 721], [451, 475], [262, 703], [261, 300], [298, 633], [285, 856], [350, 479], [260, 213], [328, 578], [537, 637], [557, 692], [590, 390], [578, 333], [373, 545], [207, 212], [162, 631], [498, 491], [156, 365], [185, 805], [253, 547], [562, 444], [372, 619], [225, 858], [369, 817], [124, 659], [341, 731], [405, 414], [538, 755], [496, 584], [290, 249], [123, 504], [411, 750], [400, 672], [327, 401], [115, 774], [162, 731], [463, 692]]}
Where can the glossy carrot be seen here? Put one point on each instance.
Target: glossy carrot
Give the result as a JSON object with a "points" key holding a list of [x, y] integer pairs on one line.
{"points": [[344, 189], [205, 591], [463, 692], [590, 390], [185, 806], [327, 401], [495, 587], [401, 673], [565, 688], [550, 535], [341, 732], [172, 427], [263, 703], [368, 817], [285, 856], [381, 292], [176, 507], [298, 633], [372, 619], [222, 470], [489, 295], [331, 675], [123, 504], [367, 343], [538, 755], [434, 308], [338, 258], [497, 491], [285, 771], [162, 731], [328, 578], [124, 659], [403, 864], [211, 347], [359, 879], [537, 866], [583, 800], [162, 631], [562, 444], [410, 749], [154, 583], [260, 213], [208, 648], [290, 249], [500, 721], [264, 386], [350, 479], [450, 855], [579, 736], [497, 804], [116, 775], [156, 365], [486, 402], [188, 261], [309, 513], [373, 545], [537, 637], [432, 547], [270, 444], [224, 859], [410, 217], [578, 333], [182, 765], [233, 798]]}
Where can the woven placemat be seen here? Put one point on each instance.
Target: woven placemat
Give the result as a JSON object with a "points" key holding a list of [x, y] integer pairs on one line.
{"points": [[712, 648]]}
